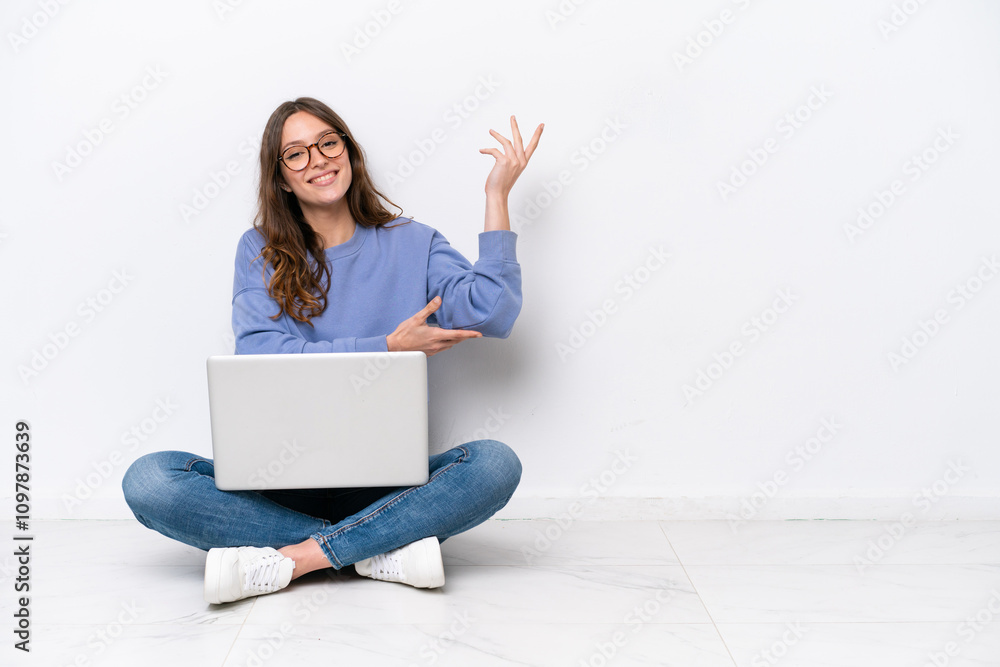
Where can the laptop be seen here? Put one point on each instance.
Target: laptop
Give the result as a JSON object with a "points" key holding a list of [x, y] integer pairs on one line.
{"points": [[326, 420]]}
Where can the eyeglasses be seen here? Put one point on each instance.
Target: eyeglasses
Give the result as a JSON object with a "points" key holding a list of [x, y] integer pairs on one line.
{"points": [[330, 144]]}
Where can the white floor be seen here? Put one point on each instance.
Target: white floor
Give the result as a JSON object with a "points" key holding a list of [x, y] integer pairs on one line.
{"points": [[795, 593]]}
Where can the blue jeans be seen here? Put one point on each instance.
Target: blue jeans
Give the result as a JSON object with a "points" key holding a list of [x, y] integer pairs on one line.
{"points": [[174, 493]]}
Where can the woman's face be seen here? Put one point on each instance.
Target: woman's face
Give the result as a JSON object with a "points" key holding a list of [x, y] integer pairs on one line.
{"points": [[324, 181]]}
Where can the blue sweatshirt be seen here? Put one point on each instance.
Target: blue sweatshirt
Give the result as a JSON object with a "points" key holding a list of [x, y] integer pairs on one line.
{"points": [[379, 278]]}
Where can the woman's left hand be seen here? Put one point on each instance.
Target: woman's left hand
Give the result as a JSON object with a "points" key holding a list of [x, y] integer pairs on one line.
{"points": [[511, 162]]}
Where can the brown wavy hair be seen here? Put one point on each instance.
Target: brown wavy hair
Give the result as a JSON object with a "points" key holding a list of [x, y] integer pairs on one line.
{"points": [[289, 241]]}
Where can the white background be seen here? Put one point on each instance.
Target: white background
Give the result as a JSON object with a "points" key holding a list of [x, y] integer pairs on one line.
{"points": [[672, 132]]}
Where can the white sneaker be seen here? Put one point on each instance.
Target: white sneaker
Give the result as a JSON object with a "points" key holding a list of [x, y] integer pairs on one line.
{"points": [[417, 564], [234, 573]]}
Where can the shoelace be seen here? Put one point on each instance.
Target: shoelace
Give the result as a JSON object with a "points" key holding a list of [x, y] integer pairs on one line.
{"points": [[261, 574], [387, 566]]}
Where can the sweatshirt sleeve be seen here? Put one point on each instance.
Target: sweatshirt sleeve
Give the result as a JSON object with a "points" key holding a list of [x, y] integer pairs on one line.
{"points": [[485, 297], [257, 333]]}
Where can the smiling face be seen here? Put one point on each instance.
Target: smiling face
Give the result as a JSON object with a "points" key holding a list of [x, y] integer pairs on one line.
{"points": [[324, 181]]}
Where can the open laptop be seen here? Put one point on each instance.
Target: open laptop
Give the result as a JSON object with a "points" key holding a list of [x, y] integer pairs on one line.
{"points": [[328, 420]]}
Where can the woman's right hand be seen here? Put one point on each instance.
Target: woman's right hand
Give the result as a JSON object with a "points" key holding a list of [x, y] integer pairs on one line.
{"points": [[415, 334]]}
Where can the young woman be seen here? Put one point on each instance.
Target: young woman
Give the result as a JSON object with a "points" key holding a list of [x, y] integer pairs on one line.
{"points": [[327, 268]]}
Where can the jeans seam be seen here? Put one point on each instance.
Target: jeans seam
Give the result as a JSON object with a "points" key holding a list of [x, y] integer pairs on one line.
{"points": [[191, 461], [382, 508]]}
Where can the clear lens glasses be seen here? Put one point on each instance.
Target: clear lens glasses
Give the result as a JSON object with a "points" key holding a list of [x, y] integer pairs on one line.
{"points": [[331, 144]]}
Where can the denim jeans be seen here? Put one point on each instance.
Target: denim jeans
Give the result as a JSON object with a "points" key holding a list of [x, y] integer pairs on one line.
{"points": [[174, 493]]}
